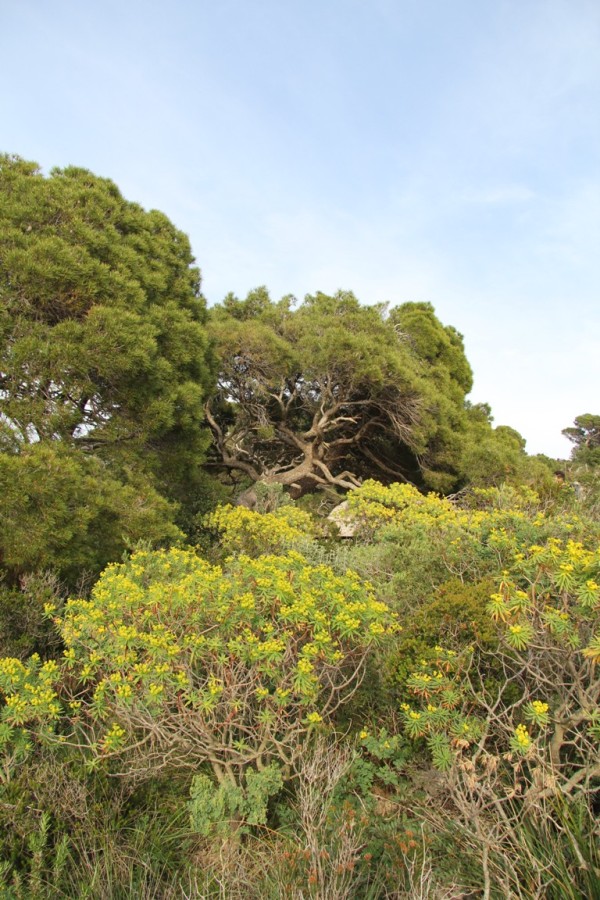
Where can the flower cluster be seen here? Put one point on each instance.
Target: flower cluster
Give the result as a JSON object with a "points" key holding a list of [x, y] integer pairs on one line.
{"points": [[242, 530], [521, 740], [555, 584], [29, 691]]}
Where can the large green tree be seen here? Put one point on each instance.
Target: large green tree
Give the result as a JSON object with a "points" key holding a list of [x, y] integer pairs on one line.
{"points": [[104, 357], [330, 392]]}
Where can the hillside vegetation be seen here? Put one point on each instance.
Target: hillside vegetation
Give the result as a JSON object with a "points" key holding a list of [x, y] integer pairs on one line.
{"points": [[205, 691]]}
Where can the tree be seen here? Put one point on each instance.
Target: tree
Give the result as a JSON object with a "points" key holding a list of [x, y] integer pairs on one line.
{"points": [[491, 455], [447, 380], [585, 434], [103, 348], [63, 510], [584, 470], [331, 391]]}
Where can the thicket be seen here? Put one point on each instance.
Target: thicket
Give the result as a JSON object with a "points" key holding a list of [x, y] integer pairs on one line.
{"points": [[266, 724], [201, 699]]}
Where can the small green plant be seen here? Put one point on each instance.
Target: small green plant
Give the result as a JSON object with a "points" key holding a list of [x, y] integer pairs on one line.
{"points": [[45, 863], [218, 808]]}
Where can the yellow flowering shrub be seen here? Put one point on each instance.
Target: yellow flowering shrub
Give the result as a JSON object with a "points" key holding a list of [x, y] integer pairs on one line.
{"points": [[546, 609], [495, 516], [375, 505], [174, 661], [243, 530], [415, 542], [554, 590]]}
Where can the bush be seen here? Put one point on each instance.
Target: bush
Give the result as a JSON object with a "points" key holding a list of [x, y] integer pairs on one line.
{"points": [[242, 530], [174, 663]]}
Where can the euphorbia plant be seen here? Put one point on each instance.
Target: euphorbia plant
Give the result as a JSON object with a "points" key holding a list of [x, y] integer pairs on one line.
{"points": [[547, 614], [522, 747], [175, 663]]}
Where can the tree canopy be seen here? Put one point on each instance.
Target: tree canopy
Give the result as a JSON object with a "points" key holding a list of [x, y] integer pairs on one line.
{"points": [[329, 392], [585, 435], [103, 348], [584, 469]]}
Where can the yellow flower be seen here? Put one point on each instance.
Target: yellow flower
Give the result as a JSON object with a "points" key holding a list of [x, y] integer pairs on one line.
{"points": [[113, 737], [522, 737], [305, 667]]}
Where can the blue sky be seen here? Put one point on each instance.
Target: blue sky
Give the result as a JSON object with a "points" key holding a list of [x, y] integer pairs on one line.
{"points": [[408, 150]]}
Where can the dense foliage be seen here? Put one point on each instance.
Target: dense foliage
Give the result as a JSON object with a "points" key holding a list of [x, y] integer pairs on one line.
{"points": [[228, 679], [246, 705], [329, 391], [104, 367]]}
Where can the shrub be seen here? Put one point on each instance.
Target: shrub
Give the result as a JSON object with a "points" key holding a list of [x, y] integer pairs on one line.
{"points": [[242, 530], [174, 663], [522, 750]]}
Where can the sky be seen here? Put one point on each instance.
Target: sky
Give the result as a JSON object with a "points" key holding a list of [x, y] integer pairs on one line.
{"points": [[407, 150]]}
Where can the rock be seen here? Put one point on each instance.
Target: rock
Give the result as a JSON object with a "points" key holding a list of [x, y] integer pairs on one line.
{"points": [[344, 520]]}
